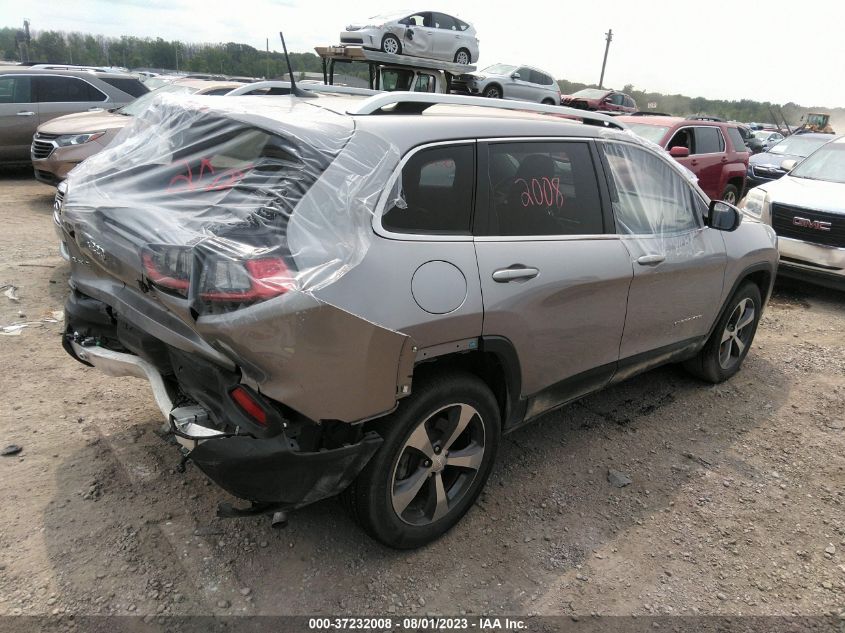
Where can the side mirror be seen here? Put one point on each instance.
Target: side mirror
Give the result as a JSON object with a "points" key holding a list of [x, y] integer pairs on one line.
{"points": [[679, 152], [723, 216], [789, 164], [516, 76]]}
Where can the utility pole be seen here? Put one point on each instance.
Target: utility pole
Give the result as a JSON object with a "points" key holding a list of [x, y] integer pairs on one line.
{"points": [[267, 71], [176, 48], [609, 38]]}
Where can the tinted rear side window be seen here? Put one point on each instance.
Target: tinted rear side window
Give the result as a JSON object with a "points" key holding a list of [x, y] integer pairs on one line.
{"points": [[128, 85], [434, 192], [15, 90], [736, 140], [65, 90], [708, 140], [543, 188]]}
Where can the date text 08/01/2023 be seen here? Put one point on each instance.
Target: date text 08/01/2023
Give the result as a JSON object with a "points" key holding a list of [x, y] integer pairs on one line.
{"points": [[417, 624]]}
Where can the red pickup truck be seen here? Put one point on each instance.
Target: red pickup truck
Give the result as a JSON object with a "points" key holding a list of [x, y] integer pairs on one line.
{"points": [[713, 150]]}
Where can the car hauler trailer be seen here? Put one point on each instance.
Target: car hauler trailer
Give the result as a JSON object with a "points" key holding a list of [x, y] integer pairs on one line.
{"points": [[394, 72]]}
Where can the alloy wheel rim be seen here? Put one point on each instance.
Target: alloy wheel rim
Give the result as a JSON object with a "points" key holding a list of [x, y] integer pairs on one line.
{"points": [[390, 46], [737, 334], [437, 464], [730, 197], [492, 93], [462, 57]]}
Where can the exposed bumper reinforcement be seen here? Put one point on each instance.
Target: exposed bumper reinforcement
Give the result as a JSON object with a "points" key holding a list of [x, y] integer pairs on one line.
{"points": [[121, 364]]}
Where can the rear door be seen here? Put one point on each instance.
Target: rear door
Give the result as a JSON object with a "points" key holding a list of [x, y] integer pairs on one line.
{"points": [[554, 282], [447, 36], [678, 263], [18, 117], [58, 95], [708, 158]]}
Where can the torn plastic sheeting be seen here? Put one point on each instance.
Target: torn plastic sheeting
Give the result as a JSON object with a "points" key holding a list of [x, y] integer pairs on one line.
{"points": [[318, 359], [265, 194], [652, 202]]}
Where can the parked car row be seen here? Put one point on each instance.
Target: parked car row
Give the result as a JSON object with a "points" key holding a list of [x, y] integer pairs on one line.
{"points": [[30, 97]]}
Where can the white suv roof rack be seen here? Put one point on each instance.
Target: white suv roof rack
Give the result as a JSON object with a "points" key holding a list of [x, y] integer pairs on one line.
{"points": [[424, 100], [259, 85]]}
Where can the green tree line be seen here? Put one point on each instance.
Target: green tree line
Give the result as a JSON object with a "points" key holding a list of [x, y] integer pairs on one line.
{"points": [[232, 58], [85, 49]]}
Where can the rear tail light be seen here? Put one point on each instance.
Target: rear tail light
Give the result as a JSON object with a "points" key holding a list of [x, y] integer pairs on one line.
{"points": [[249, 404], [168, 268], [227, 280]]}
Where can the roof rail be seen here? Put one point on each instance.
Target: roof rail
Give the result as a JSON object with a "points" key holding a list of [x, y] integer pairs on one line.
{"points": [[420, 101], [285, 85]]}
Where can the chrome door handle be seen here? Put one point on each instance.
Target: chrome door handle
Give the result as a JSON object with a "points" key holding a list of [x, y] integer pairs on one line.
{"points": [[26, 113], [514, 273], [651, 260]]}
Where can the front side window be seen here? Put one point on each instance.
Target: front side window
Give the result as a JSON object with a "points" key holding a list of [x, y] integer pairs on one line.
{"points": [[649, 196], [542, 188], [15, 89], [434, 192], [66, 90], [424, 83], [708, 140]]}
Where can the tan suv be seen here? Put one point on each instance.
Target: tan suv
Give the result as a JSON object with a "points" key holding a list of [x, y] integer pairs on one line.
{"points": [[32, 96], [62, 143]]}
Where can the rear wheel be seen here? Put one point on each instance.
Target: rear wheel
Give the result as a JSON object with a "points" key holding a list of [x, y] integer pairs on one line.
{"points": [[390, 44], [730, 194], [728, 346], [463, 57], [548, 101], [438, 450], [492, 92]]}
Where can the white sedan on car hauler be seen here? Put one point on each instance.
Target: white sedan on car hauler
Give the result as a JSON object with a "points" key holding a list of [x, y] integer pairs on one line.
{"points": [[423, 34]]}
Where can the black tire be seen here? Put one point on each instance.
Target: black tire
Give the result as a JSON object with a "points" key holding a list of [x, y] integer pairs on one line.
{"points": [[709, 364], [458, 54], [731, 195], [373, 495], [385, 45], [493, 91], [548, 102]]}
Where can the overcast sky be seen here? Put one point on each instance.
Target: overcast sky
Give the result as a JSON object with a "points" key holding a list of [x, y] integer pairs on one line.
{"points": [[776, 51]]}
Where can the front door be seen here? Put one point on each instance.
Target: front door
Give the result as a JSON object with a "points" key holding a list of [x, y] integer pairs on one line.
{"points": [[678, 263], [419, 37], [18, 118], [553, 282]]}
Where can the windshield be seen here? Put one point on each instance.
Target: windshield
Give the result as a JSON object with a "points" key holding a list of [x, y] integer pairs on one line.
{"points": [[590, 93], [826, 164], [762, 134], [653, 133], [137, 106], [499, 69], [798, 146]]}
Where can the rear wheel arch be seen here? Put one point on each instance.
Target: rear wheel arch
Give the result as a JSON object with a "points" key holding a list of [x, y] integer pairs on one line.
{"points": [[495, 362]]}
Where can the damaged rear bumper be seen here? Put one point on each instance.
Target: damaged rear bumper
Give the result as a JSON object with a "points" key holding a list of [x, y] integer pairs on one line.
{"points": [[269, 471]]}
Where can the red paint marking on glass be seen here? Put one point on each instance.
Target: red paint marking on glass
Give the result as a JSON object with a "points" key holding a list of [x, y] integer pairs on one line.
{"points": [[224, 180], [542, 192]]}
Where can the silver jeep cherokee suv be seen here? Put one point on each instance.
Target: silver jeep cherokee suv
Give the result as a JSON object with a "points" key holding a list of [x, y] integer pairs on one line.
{"points": [[360, 295]]}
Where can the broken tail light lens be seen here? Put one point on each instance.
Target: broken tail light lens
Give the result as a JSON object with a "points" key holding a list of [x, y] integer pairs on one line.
{"points": [[245, 281], [168, 268], [249, 404]]}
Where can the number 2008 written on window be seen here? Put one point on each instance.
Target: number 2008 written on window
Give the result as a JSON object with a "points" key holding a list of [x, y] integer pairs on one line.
{"points": [[541, 192]]}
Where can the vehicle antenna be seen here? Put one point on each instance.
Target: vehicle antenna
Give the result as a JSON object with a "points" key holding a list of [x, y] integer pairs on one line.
{"points": [[294, 90]]}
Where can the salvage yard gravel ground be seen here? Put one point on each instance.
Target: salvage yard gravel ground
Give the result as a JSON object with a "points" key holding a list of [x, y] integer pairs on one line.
{"points": [[661, 496]]}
